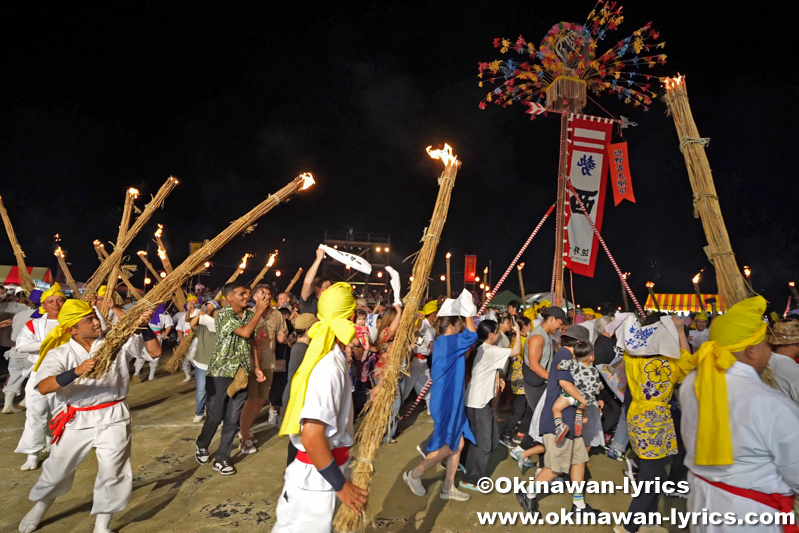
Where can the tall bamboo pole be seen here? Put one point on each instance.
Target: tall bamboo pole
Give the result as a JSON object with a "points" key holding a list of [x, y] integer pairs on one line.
{"points": [[102, 255], [706, 201], [127, 212], [143, 256], [294, 280], [128, 324], [59, 254], [521, 282], [650, 286], [449, 277], [373, 428], [264, 270], [180, 296], [105, 268], [232, 278], [25, 280], [560, 210]]}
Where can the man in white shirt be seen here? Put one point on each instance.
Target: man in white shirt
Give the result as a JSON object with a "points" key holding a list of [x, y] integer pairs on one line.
{"points": [[95, 415], [784, 341], [319, 422], [697, 337], [182, 321], [419, 366], [38, 408], [161, 325], [19, 367], [740, 436]]}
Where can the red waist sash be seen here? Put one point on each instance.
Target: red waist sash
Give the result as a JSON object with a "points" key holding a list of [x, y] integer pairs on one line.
{"points": [[59, 421], [340, 456], [780, 502]]}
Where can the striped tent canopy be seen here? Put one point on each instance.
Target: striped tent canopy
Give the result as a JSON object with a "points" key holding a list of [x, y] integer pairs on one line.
{"points": [[686, 303], [10, 274]]}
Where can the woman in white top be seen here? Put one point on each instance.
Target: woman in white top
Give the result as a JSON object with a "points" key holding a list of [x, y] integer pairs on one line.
{"points": [[487, 379]]}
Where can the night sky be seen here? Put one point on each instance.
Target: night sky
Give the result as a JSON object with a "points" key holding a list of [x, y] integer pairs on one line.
{"points": [[236, 99]]}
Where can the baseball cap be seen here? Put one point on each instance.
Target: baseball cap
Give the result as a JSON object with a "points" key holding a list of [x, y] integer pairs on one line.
{"points": [[554, 312], [578, 332]]}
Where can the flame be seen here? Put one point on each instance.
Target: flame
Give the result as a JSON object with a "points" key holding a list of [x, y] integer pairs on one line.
{"points": [[173, 178], [141, 253], [59, 252], [624, 276], [243, 264], [271, 260], [159, 231], [207, 264], [650, 284], [520, 266], [791, 284], [147, 281], [695, 279], [747, 271], [162, 274], [444, 155], [133, 193], [672, 83], [161, 253], [307, 180], [449, 255]]}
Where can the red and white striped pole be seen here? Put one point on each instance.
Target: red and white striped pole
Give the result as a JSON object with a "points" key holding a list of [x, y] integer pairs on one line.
{"points": [[515, 260], [417, 400], [605, 247]]}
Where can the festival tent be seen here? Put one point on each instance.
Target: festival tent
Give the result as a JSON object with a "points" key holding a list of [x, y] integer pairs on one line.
{"points": [[10, 274], [686, 303], [503, 298], [537, 297]]}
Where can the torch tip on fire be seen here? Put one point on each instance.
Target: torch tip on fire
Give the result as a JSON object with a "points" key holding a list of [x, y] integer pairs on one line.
{"points": [[59, 252], [791, 284], [307, 180], [133, 192], [695, 279], [671, 83], [445, 155]]}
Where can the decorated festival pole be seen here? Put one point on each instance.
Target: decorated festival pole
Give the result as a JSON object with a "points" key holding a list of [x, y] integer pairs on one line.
{"points": [[519, 267], [624, 293], [515, 259], [25, 280], [102, 255], [105, 268], [127, 211], [264, 270], [59, 254], [294, 280], [373, 427], [607, 251], [706, 201], [180, 297], [128, 324], [231, 279]]}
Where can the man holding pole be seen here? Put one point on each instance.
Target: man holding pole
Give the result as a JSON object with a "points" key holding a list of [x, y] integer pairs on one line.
{"points": [[313, 287], [95, 415]]}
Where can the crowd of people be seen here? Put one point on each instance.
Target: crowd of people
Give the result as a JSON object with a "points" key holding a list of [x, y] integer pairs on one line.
{"points": [[707, 402]]}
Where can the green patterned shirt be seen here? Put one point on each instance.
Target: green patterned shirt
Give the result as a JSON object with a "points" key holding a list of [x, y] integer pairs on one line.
{"points": [[231, 351]]}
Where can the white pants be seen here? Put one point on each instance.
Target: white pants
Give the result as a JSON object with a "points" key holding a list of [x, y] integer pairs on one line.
{"points": [[114, 483], [300, 510], [17, 370], [39, 410], [420, 374]]}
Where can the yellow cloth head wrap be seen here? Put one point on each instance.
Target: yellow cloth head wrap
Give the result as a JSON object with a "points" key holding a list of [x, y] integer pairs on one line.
{"points": [[530, 312], [54, 290], [336, 306], [700, 316], [588, 311], [190, 297], [70, 314], [734, 331], [430, 307], [102, 290]]}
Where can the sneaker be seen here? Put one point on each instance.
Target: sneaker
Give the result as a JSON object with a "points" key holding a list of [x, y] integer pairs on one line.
{"points": [[414, 484], [530, 505], [272, 418], [587, 509], [201, 454], [198, 418], [186, 379], [224, 468], [560, 433], [517, 439], [524, 462], [252, 438], [515, 453], [468, 486], [454, 494], [247, 447], [615, 454], [631, 469], [505, 441], [421, 451]]}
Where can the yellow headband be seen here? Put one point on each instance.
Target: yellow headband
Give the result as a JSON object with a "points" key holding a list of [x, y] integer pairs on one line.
{"points": [[70, 314], [54, 290], [430, 307], [336, 306], [742, 326], [190, 297]]}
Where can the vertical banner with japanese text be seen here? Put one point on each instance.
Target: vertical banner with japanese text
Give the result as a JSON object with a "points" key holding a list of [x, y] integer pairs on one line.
{"points": [[586, 166], [470, 269], [620, 173]]}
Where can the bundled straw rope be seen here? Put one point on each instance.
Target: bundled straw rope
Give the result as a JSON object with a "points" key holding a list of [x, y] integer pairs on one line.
{"points": [[128, 325], [179, 354], [373, 428], [294, 280], [706, 202], [180, 297], [105, 268], [24, 276], [123, 271]]}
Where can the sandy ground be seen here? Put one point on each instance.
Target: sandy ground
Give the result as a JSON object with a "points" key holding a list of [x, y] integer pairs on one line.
{"points": [[171, 492]]}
